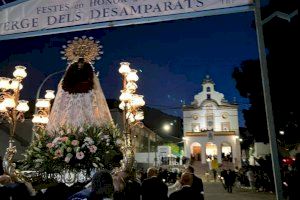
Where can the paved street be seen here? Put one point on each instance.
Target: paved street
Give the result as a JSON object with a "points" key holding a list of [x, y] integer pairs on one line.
{"points": [[215, 191]]}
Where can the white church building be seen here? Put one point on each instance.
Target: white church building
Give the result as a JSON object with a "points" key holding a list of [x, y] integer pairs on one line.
{"points": [[211, 128]]}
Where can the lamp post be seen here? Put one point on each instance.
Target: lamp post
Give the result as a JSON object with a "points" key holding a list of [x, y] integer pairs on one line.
{"points": [[43, 107], [166, 127], [130, 104], [12, 110]]}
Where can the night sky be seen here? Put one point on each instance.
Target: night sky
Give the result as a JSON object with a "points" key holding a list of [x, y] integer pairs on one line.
{"points": [[173, 58]]}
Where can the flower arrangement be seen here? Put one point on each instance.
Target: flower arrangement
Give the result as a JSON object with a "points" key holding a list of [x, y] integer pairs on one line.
{"points": [[68, 148]]}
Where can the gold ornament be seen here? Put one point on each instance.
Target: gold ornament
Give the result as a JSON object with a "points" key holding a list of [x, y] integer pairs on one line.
{"points": [[84, 47]]}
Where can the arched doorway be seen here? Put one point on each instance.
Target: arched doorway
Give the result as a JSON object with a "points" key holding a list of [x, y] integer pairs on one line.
{"points": [[211, 150], [226, 152], [196, 151]]}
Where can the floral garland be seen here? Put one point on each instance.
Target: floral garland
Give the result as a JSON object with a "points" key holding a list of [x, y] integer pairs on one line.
{"points": [[69, 148]]}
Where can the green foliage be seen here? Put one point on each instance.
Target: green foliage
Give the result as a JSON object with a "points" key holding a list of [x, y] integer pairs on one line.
{"points": [[74, 148], [175, 149]]}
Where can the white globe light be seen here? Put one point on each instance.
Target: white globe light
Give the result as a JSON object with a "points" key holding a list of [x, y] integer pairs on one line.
{"points": [[22, 106], [131, 86], [44, 120], [122, 105], [2, 107], [125, 96], [42, 103], [49, 94], [9, 103], [132, 76], [167, 127], [20, 72], [124, 68], [36, 119], [137, 100], [4, 83], [15, 84], [139, 116]]}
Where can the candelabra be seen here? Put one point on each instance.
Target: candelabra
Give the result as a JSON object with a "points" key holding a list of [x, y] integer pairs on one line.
{"points": [[43, 107], [131, 104], [12, 110]]}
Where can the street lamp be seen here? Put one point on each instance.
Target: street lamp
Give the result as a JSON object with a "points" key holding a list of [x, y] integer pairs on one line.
{"points": [[12, 110], [43, 106], [130, 104], [166, 127]]}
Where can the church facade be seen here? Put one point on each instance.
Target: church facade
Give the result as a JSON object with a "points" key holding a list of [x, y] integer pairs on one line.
{"points": [[211, 128]]}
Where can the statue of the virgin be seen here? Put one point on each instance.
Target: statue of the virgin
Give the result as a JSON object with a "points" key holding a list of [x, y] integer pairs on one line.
{"points": [[80, 100]]}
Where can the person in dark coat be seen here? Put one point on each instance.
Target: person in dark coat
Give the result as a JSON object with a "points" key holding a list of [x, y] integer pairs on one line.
{"points": [[153, 188], [197, 184], [102, 188], [186, 192], [229, 180]]}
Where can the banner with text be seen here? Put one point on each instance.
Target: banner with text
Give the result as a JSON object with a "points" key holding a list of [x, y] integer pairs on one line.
{"points": [[34, 15]]}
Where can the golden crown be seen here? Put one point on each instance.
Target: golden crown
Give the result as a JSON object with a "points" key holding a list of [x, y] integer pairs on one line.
{"points": [[84, 47]]}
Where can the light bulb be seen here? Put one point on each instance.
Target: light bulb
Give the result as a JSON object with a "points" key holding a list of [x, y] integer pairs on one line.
{"points": [[22, 106], [125, 96], [132, 76], [49, 94], [9, 103], [42, 103], [124, 68], [20, 72], [139, 116], [4, 83], [2, 107], [15, 84]]}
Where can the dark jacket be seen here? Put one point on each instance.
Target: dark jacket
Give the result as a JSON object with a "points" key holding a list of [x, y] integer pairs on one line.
{"points": [[197, 185], [186, 193], [154, 189]]}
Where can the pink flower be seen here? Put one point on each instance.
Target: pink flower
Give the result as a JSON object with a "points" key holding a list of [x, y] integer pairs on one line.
{"points": [[93, 149], [50, 145], [80, 155], [58, 153], [67, 159], [63, 139], [75, 142]]}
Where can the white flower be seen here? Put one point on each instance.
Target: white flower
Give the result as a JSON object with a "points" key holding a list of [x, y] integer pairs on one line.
{"points": [[69, 130], [56, 140], [61, 132], [118, 141], [105, 136], [81, 130], [89, 140]]}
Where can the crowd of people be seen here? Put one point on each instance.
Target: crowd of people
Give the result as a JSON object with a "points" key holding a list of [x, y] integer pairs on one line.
{"points": [[121, 185]]}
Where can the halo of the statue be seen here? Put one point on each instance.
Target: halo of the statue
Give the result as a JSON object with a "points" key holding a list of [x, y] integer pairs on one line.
{"points": [[84, 47]]}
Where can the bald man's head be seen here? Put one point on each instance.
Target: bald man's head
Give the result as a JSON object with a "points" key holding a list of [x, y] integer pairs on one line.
{"points": [[186, 179]]}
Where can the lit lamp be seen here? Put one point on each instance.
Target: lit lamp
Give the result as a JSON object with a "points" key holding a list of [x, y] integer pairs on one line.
{"points": [[49, 94], [130, 104], [43, 107], [12, 110]]}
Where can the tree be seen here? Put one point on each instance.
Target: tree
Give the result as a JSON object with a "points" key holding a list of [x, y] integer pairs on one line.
{"points": [[281, 38]]}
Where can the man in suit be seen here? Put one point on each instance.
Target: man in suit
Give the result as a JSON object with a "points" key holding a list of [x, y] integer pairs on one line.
{"points": [[186, 192], [197, 184], [153, 188]]}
